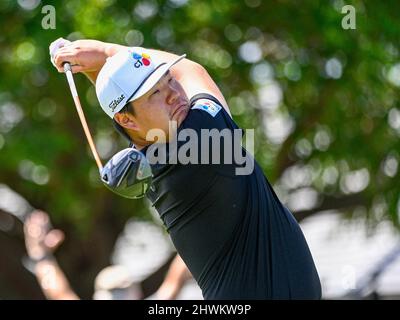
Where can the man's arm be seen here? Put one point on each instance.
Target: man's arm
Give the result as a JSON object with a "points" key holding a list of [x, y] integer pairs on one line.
{"points": [[176, 277], [193, 77], [53, 281], [89, 56], [40, 243]]}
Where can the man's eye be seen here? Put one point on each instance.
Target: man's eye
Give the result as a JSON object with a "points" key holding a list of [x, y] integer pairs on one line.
{"points": [[157, 91], [170, 80]]}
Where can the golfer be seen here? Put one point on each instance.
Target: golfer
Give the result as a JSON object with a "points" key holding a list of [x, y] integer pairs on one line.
{"points": [[233, 233]]}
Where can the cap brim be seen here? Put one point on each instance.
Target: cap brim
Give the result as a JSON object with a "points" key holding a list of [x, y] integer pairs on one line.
{"points": [[154, 78]]}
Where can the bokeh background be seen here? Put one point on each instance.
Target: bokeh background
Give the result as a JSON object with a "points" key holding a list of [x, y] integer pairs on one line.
{"points": [[324, 103]]}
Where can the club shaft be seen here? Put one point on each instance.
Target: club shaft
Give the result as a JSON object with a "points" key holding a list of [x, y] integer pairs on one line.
{"points": [[70, 78]]}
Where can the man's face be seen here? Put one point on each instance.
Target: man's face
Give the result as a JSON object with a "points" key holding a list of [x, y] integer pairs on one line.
{"points": [[165, 102]]}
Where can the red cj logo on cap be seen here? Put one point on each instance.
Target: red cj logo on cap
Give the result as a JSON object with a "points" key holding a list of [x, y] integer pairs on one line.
{"points": [[141, 59]]}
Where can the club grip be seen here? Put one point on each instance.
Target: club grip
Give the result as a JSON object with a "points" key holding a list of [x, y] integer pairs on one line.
{"points": [[67, 66]]}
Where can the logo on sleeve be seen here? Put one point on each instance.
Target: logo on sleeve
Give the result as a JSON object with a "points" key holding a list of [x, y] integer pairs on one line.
{"points": [[207, 105]]}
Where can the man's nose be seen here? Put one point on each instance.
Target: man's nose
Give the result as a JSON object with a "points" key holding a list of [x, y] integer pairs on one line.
{"points": [[173, 95]]}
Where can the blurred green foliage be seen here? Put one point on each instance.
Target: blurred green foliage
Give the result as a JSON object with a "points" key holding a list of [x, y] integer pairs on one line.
{"points": [[324, 101]]}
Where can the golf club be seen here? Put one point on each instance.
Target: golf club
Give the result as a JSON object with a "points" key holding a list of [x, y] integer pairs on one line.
{"points": [[75, 96], [127, 173]]}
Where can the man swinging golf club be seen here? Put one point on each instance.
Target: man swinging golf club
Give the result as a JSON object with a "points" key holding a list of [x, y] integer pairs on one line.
{"points": [[233, 233]]}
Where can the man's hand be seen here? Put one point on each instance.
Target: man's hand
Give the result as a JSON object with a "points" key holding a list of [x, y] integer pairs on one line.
{"points": [[86, 56], [83, 55], [40, 240]]}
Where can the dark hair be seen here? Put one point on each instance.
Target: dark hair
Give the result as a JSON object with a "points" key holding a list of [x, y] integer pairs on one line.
{"points": [[126, 109]]}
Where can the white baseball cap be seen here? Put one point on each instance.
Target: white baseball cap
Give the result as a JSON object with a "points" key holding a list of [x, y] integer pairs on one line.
{"points": [[128, 75]]}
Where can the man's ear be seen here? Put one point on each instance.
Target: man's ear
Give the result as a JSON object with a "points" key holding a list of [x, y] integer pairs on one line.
{"points": [[126, 121]]}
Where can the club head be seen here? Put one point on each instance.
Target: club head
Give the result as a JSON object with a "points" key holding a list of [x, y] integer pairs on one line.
{"points": [[128, 174]]}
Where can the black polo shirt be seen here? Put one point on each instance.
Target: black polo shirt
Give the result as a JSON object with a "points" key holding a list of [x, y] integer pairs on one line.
{"points": [[233, 233]]}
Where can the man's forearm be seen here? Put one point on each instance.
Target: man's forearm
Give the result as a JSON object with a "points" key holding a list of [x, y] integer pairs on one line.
{"points": [[110, 49], [113, 48], [53, 282], [193, 77], [92, 76], [181, 69], [176, 276], [178, 71]]}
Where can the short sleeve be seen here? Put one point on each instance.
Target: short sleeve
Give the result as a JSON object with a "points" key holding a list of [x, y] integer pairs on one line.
{"points": [[215, 134], [206, 112]]}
